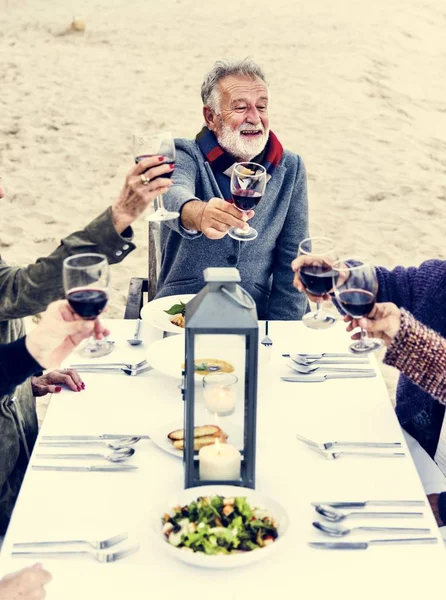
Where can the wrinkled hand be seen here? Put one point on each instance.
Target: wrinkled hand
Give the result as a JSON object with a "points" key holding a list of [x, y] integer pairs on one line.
{"points": [[312, 261], [214, 218], [59, 331], [383, 322], [50, 382], [27, 584], [136, 196]]}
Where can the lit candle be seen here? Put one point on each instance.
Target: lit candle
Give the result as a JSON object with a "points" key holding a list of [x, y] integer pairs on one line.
{"points": [[219, 462], [220, 393]]}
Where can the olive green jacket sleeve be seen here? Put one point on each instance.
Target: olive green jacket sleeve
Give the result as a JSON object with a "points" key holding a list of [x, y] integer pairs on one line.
{"points": [[27, 291]]}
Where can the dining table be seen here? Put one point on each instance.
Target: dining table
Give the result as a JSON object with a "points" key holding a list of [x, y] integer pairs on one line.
{"points": [[97, 505]]}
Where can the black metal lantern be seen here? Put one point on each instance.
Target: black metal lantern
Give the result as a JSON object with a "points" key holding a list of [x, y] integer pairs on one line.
{"points": [[220, 383]]}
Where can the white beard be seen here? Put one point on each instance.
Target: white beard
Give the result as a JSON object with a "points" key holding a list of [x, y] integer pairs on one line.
{"points": [[243, 148]]}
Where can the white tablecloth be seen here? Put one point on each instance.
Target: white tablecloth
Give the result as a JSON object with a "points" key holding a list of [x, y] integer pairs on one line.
{"points": [[96, 505]]}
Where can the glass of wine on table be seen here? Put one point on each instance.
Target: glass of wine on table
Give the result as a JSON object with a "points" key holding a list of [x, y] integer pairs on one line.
{"points": [[86, 282], [161, 143], [356, 286], [248, 183], [316, 273]]}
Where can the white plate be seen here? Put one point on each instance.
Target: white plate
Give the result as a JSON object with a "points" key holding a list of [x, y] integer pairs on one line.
{"points": [[153, 312], [199, 559], [167, 355], [160, 439]]}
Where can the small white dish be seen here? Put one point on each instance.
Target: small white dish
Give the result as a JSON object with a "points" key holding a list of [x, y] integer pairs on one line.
{"points": [[160, 439], [154, 313], [199, 559]]}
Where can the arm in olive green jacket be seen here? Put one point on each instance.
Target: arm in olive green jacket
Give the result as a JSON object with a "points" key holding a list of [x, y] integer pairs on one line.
{"points": [[27, 291]]}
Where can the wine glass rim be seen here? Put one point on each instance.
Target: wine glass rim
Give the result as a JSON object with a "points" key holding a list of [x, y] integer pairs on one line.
{"points": [[250, 162], [101, 258], [158, 133], [340, 264], [324, 238]]}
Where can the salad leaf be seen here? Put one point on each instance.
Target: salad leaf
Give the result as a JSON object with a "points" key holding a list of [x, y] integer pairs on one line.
{"points": [[177, 309]]}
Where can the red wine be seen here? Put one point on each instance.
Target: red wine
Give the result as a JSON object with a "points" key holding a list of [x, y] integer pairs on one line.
{"points": [[317, 280], [246, 200], [87, 303], [168, 161], [356, 303]]}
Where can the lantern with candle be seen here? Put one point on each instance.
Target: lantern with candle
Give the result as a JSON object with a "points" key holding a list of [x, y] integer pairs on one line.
{"points": [[221, 338]]}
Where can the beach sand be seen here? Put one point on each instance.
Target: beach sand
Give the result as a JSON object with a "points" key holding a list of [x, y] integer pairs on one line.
{"points": [[357, 89]]}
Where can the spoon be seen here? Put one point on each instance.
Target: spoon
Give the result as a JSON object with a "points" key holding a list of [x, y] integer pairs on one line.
{"points": [[340, 531], [331, 514], [135, 341], [114, 445], [115, 457], [303, 360], [307, 369]]}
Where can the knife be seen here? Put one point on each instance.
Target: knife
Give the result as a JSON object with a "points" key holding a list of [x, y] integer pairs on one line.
{"points": [[318, 378], [372, 503], [85, 468], [365, 545], [102, 436]]}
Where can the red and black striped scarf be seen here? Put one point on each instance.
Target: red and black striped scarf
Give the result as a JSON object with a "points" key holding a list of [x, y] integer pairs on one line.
{"points": [[220, 160]]}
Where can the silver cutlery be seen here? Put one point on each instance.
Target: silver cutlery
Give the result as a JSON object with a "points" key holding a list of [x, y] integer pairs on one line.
{"points": [[320, 378], [335, 516], [114, 457], [316, 356], [340, 531], [121, 365], [102, 436], [97, 544], [310, 369], [135, 341], [301, 360], [92, 468], [131, 372], [371, 503], [266, 341], [329, 445], [115, 445], [365, 545], [335, 455], [103, 557]]}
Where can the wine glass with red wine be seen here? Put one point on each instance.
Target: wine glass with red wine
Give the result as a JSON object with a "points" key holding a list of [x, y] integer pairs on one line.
{"points": [[86, 282], [316, 273], [248, 183], [161, 143], [356, 286]]}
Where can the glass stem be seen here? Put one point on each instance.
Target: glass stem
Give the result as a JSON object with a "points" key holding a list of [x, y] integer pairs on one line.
{"points": [[318, 313], [362, 343], [160, 203]]}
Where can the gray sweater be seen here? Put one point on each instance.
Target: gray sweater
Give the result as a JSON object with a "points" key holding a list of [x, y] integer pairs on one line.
{"points": [[281, 220]]}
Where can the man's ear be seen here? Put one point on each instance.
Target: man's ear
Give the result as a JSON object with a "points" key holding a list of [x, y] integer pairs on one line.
{"points": [[209, 117]]}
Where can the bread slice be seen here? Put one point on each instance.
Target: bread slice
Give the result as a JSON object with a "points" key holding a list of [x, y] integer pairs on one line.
{"points": [[204, 440], [202, 430]]}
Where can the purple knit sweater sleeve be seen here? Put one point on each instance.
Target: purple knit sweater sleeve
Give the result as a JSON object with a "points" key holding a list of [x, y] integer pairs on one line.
{"points": [[420, 354]]}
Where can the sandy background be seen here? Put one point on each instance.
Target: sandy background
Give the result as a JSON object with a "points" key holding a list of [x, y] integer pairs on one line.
{"points": [[358, 90]]}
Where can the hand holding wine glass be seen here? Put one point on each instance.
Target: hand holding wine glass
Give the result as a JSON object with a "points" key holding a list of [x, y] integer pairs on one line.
{"points": [[146, 145], [86, 282], [248, 183], [384, 322], [356, 286], [314, 276]]}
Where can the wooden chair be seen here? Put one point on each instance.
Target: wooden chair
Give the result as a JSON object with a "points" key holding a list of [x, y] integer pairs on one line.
{"points": [[141, 286]]}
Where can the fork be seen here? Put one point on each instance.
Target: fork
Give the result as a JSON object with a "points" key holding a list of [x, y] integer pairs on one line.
{"points": [[266, 341], [103, 557], [121, 365], [329, 445], [334, 455], [96, 544], [131, 372]]}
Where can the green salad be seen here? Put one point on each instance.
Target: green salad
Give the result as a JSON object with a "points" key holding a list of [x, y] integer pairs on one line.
{"points": [[218, 525]]}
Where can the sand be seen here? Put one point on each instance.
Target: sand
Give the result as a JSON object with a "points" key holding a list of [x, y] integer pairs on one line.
{"points": [[358, 90]]}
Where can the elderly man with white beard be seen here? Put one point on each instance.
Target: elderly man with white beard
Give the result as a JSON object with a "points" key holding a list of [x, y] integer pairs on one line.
{"points": [[235, 108]]}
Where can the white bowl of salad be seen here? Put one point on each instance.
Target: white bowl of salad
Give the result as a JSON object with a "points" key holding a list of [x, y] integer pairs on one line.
{"points": [[221, 527]]}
